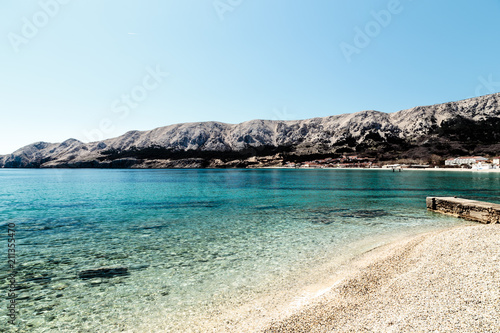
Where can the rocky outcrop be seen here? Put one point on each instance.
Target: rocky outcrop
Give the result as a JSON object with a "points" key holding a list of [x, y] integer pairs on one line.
{"points": [[470, 126]]}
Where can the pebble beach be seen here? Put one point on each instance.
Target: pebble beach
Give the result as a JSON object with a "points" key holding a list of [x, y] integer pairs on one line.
{"points": [[443, 281]]}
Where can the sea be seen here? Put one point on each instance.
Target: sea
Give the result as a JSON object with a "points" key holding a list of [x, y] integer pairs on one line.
{"points": [[205, 250]]}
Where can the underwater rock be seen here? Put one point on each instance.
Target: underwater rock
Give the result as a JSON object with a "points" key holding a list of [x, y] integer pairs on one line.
{"points": [[323, 221], [103, 272], [364, 214]]}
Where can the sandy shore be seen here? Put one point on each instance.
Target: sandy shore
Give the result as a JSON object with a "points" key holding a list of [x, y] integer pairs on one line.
{"points": [[445, 281]]}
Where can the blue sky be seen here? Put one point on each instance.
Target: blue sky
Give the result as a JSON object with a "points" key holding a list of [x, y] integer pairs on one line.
{"points": [[92, 69]]}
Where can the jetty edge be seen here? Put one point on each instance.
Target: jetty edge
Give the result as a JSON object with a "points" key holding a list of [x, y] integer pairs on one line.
{"points": [[479, 211]]}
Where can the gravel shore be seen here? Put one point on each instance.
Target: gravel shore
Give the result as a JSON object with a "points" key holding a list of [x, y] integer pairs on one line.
{"points": [[446, 281]]}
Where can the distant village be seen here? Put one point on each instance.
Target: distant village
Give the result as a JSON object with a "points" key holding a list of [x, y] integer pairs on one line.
{"points": [[464, 162]]}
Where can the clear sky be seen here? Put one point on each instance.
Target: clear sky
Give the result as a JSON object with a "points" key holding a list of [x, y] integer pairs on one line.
{"points": [[92, 69]]}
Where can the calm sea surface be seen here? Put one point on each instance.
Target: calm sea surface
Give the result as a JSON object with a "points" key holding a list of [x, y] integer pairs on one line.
{"points": [[199, 244]]}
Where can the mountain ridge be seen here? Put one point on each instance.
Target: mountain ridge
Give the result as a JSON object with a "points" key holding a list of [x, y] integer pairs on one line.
{"points": [[416, 133]]}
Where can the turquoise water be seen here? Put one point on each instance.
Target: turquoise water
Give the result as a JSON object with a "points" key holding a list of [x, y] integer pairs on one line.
{"points": [[200, 245]]}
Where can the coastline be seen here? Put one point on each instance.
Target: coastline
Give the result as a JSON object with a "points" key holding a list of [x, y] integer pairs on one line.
{"points": [[390, 169], [305, 289], [443, 281], [256, 168]]}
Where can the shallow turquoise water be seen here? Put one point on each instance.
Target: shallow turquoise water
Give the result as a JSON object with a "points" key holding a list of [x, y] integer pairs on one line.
{"points": [[197, 242]]}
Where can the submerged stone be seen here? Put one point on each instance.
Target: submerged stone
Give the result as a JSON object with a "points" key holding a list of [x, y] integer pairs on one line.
{"points": [[366, 213], [323, 221], [103, 272]]}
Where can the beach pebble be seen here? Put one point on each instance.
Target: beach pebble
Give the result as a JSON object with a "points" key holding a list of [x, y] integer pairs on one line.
{"points": [[445, 281], [59, 286]]}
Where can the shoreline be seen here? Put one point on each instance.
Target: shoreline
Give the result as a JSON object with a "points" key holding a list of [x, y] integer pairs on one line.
{"points": [[439, 280], [268, 168], [389, 169], [305, 289]]}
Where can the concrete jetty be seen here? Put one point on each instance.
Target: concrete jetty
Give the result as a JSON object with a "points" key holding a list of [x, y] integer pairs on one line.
{"points": [[479, 211]]}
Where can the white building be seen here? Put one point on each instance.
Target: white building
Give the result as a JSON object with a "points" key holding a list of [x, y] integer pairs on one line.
{"points": [[482, 166], [391, 166], [465, 161]]}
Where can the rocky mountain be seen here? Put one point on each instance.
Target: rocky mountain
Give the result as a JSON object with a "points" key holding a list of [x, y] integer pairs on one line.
{"points": [[470, 126]]}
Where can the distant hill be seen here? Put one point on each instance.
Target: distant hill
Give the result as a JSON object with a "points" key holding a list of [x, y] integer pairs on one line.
{"points": [[470, 126]]}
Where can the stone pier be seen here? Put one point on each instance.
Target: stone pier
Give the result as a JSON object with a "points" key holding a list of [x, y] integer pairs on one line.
{"points": [[480, 211]]}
